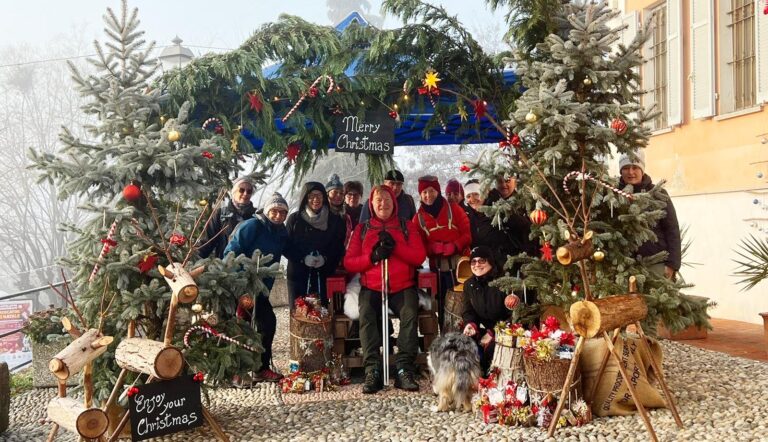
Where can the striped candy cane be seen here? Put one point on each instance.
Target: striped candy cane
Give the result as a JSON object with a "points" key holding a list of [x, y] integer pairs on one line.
{"points": [[586, 176], [331, 87], [205, 329], [104, 250]]}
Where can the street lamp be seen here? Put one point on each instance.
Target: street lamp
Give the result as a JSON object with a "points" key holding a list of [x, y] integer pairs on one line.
{"points": [[175, 56]]}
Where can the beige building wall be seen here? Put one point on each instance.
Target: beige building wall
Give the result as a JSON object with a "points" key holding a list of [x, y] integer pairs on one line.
{"points": [[712, 168]]}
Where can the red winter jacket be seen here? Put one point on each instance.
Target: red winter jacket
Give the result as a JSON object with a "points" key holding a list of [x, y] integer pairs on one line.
{"points": [[406, 256], [437, 230]]}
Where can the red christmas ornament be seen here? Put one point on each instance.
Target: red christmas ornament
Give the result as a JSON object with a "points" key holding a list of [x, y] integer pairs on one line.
{"points": [[246, 302], [511, 301], [394, 115], [538, 217], [515, 140], [198, 377], [147, 263], [207, 154], [422, 91], [546, 252], [178, 239], [255, 101], [292, 151], [619, 126], [480, 108], [132, 192], [218, 130], [313, 92], [464, 168], [132, 391]]}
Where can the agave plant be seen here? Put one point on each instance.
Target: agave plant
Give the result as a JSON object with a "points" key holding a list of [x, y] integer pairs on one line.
{"points": [[753, 264]]}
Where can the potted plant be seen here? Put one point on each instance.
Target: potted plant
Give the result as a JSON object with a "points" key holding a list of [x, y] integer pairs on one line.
{"points": [[753, 267], [45, 331]]}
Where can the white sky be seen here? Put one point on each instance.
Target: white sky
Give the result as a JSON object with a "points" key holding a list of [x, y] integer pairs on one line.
{"points": [[224, 24]]}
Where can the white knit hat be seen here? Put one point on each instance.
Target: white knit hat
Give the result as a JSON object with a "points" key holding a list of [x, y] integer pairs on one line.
{"points": [[472, 188], [627, 160], [276, 201], [242, 179]]}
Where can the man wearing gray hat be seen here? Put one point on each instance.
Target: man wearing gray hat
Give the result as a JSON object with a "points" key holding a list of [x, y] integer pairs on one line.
{"points": [[225, 219], [667, 229], [406, 207]]}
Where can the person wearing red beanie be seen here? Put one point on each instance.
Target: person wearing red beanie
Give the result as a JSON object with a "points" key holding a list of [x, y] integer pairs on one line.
{"points": [[444, 227], [454, 192]]}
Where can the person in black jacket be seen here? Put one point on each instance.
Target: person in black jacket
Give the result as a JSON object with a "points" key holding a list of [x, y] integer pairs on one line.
{"points": [[483, 305], [406, 207], [225, 219], [483, 233], [512, 237], [315, 244], [667, 229]]}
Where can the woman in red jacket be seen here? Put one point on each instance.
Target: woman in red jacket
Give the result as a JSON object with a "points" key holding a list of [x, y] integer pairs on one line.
{"points": [[386, 237], [444, 226]]}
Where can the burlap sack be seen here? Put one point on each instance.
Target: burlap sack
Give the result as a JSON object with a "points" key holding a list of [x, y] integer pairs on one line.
{"points": [[612, 396]]}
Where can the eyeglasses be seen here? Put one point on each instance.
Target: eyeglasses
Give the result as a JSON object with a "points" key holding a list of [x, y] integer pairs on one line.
{"points": [[246, 191], [478, 261]]}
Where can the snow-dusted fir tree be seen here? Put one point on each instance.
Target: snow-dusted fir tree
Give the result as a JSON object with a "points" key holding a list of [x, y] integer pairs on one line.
{"points": [[137, 171], [581, 98]]}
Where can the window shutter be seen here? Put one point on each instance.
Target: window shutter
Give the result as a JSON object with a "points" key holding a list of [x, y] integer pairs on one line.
{"points": [[761, 52], [702, 59], [674, 64]]}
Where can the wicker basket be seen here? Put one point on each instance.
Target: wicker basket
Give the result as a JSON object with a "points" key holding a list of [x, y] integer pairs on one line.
{"points": [[548, 376]]}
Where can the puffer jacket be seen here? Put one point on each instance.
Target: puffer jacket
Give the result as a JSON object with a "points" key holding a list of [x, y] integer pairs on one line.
{"points": [[439, 229], [407, 255], [667, 229], [261, 234], [483, 304]]}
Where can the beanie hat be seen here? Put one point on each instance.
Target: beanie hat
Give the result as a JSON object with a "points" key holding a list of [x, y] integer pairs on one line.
{"points": [[334, 183], [394, 175], [428, 181], [353, 186], [628, 160], [240, 180], [454, 186], [276, 201], [472, 187]]}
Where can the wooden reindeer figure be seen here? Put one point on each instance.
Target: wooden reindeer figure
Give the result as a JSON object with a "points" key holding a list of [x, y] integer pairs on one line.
{"points": [[161, 360], [73, 415]]}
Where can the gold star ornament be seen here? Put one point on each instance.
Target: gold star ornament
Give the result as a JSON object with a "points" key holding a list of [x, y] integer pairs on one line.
{"points": [[431, 80]]}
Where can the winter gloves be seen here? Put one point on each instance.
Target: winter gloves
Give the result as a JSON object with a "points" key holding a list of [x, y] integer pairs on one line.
{"points": [[445, 249], [314, 261], [384, 248]]}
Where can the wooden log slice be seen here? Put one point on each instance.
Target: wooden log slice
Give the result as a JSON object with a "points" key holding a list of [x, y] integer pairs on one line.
{"points": [[304, 342], [71, 414], [574, 252], [592, 317], [146, 356]]}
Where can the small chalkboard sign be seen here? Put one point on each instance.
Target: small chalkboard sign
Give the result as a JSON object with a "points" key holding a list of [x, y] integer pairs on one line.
{"points": [[373, 133], [165, 407]]}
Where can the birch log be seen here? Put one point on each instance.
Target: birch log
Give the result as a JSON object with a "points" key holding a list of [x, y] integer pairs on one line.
{"points": [[154, 358], [71, 414], [590, 318], [181, 282], [81, 351]]}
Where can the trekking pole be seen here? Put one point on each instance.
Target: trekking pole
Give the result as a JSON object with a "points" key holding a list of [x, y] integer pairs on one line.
{"points": [[385, 319]]}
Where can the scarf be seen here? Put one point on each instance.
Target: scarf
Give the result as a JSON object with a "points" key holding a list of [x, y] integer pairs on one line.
{"points": [[434, 209], [316, 220]]}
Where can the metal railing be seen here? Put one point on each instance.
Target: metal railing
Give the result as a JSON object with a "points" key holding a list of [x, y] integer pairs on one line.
{"points": [[16, 295]]}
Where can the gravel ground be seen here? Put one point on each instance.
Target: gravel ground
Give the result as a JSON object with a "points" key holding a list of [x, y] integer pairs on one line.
{"points": [[720, 398]]}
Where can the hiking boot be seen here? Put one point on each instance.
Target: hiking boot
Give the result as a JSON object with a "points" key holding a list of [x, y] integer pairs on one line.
{"points": [[405, 381], [267, 375], [373, 382]]}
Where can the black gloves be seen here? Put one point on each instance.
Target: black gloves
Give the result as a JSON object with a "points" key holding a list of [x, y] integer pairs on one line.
{"points": [[383, 249]]}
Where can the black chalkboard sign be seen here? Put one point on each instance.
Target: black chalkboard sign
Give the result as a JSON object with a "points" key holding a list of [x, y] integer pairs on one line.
{"points": [[373, 133], [165, 407]]}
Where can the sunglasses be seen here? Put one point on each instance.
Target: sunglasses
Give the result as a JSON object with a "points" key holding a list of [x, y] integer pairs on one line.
{"points": [[246, 191], [478, 261]]}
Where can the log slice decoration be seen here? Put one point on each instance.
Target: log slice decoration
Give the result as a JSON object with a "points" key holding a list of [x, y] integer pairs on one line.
{"points": [[72, 415], [590, 318], [150, 357]]}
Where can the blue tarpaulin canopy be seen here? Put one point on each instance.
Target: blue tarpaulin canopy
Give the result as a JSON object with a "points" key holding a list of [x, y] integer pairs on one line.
{"points": [[410, 130]]}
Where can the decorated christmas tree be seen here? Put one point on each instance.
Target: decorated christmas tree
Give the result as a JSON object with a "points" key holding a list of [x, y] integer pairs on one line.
{"points": [[150, 193], [580, 105]]}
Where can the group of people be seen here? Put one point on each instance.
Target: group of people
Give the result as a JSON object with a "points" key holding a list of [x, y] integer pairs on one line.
{"points": [[333, 232]]}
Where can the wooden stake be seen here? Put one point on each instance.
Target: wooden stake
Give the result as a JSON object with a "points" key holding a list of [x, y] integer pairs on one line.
{"points": [[120, 426], [668, 398], [88, 385], [217, 430], [52, 434], [631, 388], [62, 387], [70, 328], [566, 386], [171, 322]]}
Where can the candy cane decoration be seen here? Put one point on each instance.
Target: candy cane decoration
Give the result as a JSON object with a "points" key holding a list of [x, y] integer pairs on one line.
{"points": [[586, 176], [104, 250], [211, 333], [331, 87]]}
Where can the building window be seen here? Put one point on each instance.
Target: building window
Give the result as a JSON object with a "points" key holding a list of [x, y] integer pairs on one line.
{"points": [[742, 59], [655, 71]]}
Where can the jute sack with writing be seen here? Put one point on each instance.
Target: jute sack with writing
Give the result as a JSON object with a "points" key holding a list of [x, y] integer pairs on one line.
{"points": [[612, 396]]}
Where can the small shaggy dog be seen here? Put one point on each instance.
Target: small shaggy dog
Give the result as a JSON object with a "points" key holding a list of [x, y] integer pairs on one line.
{"points": [[455, 367]]}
